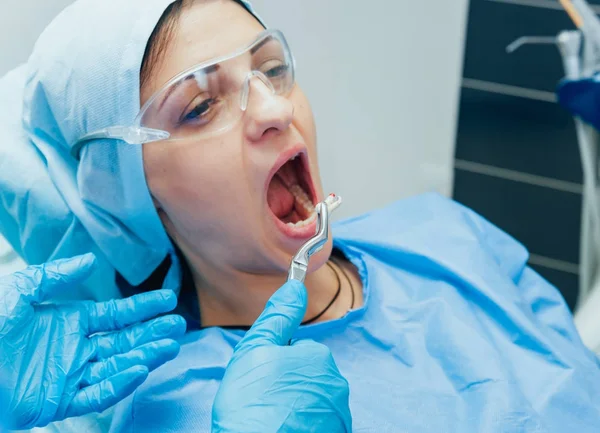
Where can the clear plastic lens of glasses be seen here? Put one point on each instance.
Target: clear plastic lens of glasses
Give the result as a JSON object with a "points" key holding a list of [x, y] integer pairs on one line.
{"points": [[208, 99]]}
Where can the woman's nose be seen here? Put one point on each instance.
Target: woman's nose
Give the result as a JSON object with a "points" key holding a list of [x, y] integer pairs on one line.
{"points": [[266, 110]]}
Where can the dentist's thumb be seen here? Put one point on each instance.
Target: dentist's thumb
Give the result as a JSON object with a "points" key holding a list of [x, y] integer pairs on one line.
{"points": [[280, 319]]}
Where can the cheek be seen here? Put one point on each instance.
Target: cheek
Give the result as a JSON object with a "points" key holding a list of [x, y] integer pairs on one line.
{"points": [[305, 123], [304, 118], [184, 177]]}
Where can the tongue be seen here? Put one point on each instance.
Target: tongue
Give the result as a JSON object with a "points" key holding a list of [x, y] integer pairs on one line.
{"points": [[280, 200]]}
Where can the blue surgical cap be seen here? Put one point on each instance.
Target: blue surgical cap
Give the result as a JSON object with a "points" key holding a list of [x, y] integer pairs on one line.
{"points": [[83, 76], [33, 216]]}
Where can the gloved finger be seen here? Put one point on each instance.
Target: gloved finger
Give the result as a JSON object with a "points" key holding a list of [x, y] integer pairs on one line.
{"points": [[166, 327], [327, 375], [120, 313], [151, 355], [305, 343], [317, 351], [38, 283], [101, 396], [281, 317]]}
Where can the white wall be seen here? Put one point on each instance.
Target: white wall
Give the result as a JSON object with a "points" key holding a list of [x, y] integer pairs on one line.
{"points": [[21, 22], [383, 78]]}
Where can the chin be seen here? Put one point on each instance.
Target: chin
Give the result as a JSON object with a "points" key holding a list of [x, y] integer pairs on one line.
{"points": [[318, 260]]}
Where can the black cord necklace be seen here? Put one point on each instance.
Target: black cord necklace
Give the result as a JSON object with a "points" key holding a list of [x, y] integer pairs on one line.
{"points": [[337, 294], [349, 282], [306, 322], [335, 297]]}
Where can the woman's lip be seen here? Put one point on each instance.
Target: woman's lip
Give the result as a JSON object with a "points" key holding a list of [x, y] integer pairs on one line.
{"points": [[293, 232]]}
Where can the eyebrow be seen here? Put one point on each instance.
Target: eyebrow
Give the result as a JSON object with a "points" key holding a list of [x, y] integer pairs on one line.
{"points": [[258, 46], [208, 69]]}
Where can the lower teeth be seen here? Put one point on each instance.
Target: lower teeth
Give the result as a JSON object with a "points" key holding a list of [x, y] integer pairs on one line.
{"points": [[306, 222], [302, 198]]}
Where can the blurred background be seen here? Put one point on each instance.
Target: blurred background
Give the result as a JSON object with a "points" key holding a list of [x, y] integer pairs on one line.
{"points": [[420, 96], [517, 160]]}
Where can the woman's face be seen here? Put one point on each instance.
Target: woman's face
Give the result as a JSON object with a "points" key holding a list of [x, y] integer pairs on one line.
{"points": [[226, 199]]}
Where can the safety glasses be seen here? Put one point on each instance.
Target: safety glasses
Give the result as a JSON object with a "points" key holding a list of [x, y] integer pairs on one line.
{"points": [[209, 98]]}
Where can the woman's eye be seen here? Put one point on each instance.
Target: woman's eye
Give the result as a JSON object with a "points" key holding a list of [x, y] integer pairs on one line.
{"points": [[277, 71], [200, 111]]}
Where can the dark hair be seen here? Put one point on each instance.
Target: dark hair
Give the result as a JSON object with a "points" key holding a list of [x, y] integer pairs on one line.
{"points": [[162, 35], [159, 39]]}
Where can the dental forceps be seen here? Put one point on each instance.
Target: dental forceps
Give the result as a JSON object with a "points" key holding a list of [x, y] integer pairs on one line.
{"points": [[299, 265]]}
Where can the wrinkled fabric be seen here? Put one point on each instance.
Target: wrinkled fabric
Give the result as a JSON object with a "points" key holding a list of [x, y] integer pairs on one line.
{"points": [[23, 174], [5, 420], [457, 334], [34, 218], [83, 76], [582, 98], [61, 360]]}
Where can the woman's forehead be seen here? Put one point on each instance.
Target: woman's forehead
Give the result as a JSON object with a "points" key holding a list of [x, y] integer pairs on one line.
{"points": [[207, 30]]}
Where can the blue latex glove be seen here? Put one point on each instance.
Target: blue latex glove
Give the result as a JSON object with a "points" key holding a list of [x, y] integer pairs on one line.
{"points": [[271, 385], [55, 363]]}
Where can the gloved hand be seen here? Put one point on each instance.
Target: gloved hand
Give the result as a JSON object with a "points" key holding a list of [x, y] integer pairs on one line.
{"points": [[54, 362], [274, 385]]}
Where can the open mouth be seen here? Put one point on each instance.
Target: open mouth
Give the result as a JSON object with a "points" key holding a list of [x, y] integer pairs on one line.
{"points": [[290, 193]]}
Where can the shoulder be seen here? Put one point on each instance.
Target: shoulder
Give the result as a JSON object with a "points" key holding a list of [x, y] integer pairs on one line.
{"points": [[413, 211], [433, 226]]}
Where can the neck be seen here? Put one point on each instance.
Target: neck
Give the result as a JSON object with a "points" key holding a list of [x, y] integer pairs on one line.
{"points": [[239, 298]]}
